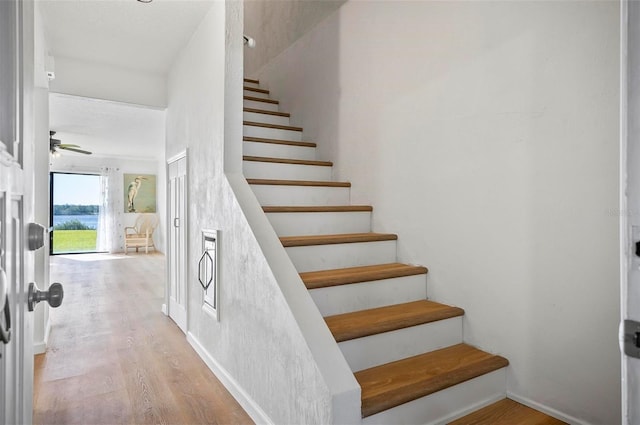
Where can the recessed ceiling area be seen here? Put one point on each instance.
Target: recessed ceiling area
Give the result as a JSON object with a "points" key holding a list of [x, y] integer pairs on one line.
{"points": [[108, 129], [127, 34], [143, 40]]}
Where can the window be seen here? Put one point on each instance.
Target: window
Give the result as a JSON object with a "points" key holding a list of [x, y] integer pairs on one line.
{"points": [[74, 209]]}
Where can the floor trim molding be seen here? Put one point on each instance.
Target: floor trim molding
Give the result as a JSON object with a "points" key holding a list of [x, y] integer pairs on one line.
{"points": [[546, 409], [247, 403], [41, 347]]}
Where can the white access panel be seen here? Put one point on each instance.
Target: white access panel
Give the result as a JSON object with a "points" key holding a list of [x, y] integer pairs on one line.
{"points": [[208, 273]]}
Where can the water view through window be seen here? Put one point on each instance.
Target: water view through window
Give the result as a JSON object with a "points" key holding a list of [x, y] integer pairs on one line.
{"points": [[74, 212]]}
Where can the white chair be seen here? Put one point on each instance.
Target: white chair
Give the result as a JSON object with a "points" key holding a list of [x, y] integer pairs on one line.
{"points": [[141, 234]]}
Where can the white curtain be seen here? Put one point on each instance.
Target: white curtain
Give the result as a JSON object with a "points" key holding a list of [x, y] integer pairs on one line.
{"points": [[110, 212]]}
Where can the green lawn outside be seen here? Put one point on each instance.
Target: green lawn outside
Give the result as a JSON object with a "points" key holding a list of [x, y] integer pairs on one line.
{"points": [[74, 241]]}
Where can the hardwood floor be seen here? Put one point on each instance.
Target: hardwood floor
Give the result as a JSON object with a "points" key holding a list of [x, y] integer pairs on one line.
{"points": [[114, 358], [507, 412]]}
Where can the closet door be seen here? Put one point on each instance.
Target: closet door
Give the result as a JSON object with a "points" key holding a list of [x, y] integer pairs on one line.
{"points": [[177, 250]]}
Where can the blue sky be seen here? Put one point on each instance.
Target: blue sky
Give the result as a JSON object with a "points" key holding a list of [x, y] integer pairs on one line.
{"points": [[76, 189]]}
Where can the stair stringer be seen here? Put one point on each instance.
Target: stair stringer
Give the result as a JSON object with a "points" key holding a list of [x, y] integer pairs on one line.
{"points": [[332, 365]]}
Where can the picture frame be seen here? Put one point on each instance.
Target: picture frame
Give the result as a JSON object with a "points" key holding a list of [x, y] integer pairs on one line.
{"points": [[139, 193]]}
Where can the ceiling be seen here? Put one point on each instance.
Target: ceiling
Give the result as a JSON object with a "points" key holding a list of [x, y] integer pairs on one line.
{"points": [[118, 33], [124, 33], [108, 129]]}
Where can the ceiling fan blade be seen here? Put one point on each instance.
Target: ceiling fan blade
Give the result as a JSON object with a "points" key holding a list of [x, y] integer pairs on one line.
{"points": [[75, 150]]}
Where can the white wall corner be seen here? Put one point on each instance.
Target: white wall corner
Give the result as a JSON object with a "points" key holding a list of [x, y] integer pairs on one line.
{"points": [[346, 407], [345, 390], [40, 347], [546, 409], [233, 83]]}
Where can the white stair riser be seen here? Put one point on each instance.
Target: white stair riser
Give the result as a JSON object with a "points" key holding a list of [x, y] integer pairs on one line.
{"points": [[443, 406], [265, 118], [320, 223], [362, 296], [255, 94], [273, 150], [337, 256], [256, 104], [272, 133], [279, 171], [301, 195], [369, 351], [254, 85]]}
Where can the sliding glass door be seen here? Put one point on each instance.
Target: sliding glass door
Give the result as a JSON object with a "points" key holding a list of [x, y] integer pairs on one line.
{"points": [[75, 200]]}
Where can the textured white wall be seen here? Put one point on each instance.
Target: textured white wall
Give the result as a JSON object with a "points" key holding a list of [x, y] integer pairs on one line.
{"points": [[275, 25], [486, 135], [41, 177], [41, 209], [630, 206], [98, 81], [257, 342]]}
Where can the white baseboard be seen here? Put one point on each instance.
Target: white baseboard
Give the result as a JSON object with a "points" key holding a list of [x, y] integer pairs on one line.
{"points": [[41, 347], [247, 403], [467, 410], [546, 409], [164, 310]]}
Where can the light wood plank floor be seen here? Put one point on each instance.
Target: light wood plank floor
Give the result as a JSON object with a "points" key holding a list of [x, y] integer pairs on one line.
{"points": [[114, 358]]}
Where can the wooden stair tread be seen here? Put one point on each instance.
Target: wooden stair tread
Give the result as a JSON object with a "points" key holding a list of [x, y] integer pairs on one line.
{"points": [[507, 412], [395, 383], [287, 161], [318, 208], [374, 321], [276, 126], [298, 183], [290, 241], [260, 99], [249, 80], [327, 278], [262, 111], [278, 142], [255, 89]]}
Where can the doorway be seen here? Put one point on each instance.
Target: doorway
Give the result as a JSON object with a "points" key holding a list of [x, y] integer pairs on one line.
{"points": [[177, 246], [74, 213]]}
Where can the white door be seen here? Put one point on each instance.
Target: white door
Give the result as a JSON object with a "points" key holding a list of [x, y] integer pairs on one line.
{"points": [[16, 364], [177, 250], [16, 171], [630, 210]]}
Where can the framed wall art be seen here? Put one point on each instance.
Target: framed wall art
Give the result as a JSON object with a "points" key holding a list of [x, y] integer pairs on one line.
{"points": [[139, 193]]}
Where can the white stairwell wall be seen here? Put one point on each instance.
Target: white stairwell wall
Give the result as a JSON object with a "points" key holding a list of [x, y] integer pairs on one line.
{"points": [[265, 347], [382, 348], [485, 135]]}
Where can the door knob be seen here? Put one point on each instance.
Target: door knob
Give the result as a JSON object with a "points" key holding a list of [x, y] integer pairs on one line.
{"points": [[5, 332], [35, 236], [53, 296]]}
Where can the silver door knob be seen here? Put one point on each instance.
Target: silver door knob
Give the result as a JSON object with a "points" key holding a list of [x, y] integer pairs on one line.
{"points": [[53, 296], [35, 236], [5, 331]]}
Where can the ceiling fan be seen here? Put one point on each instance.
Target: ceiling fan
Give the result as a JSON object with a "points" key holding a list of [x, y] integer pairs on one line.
{"points": [[55, 145]]}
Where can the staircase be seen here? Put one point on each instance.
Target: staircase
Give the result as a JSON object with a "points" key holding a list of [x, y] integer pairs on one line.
{"points": [[406, 352]]}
